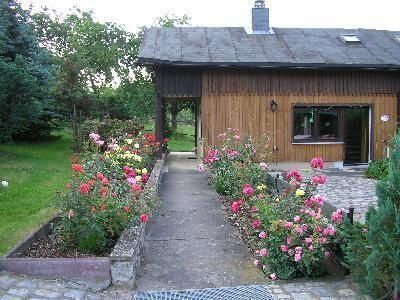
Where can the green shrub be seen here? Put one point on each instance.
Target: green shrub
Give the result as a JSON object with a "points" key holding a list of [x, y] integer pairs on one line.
{"points": [[373, 254], [377, 169]]}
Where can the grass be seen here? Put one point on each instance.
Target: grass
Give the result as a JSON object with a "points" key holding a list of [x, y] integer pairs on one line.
{"points": [[35, 172], [182, 140]]}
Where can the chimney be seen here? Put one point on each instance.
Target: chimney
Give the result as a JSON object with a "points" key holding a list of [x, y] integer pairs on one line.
{"points": [[260, 18]]}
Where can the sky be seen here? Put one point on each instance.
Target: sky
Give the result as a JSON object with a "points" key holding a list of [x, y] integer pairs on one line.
{"points": [[382, 14]]}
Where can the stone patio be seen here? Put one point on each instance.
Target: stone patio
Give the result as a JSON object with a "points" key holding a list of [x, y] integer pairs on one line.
{"points": [[349, 188]]}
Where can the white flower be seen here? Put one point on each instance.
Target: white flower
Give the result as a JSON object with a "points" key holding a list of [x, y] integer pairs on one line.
{"points": [[129, 141], [385, 118], [4, 184], [137, 146]]}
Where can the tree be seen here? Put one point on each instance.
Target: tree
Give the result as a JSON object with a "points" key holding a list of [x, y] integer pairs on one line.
{"points": [[26, 77], [373, 250]]}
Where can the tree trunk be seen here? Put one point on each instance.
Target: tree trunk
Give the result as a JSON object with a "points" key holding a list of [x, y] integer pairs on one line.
{"points": [[174, 115]]}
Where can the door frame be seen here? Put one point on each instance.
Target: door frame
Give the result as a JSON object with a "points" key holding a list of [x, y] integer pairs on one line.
{"points": [[370, 145]]}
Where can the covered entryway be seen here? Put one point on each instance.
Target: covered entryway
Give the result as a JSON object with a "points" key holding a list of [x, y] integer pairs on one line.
{"points": [[178, 85], [357, 135]]}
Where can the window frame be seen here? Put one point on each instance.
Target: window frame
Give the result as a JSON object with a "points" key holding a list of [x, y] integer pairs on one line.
{"points": [[316, 129]]}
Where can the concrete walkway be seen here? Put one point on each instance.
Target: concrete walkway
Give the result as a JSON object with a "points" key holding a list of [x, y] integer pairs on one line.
{"points": [[190, 243]]}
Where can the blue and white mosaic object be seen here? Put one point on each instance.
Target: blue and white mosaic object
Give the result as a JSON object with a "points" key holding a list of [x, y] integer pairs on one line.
{"points": [[252, 292]]}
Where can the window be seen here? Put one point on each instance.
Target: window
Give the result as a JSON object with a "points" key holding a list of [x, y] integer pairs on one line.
{"points": [[349, 38], [316, 124]]}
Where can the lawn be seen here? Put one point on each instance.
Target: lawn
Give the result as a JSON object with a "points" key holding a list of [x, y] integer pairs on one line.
{"points": [[35, 172], [182, 140]]}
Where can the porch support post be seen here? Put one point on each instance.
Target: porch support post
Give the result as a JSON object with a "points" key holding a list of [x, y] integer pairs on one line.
{"points": [[159, 112]]}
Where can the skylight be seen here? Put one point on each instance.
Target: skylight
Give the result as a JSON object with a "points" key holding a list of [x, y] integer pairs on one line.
{"points": [[349, 38]]}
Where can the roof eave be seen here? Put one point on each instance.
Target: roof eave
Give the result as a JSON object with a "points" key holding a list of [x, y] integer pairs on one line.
{"points": [[266, 65]]}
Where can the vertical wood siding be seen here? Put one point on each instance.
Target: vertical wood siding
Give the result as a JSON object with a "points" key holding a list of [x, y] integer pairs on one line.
{"points": [[242, 100]]}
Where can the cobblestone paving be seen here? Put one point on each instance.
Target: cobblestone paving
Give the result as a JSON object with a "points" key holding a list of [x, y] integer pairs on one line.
{"points": [[23, 287], [314, 289], [349, 188]]}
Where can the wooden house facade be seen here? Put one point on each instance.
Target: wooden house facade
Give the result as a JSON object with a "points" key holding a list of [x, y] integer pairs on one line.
{"points": [[310, 90]]}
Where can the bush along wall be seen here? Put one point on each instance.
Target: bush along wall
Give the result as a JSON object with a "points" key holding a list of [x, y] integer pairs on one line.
{"points": [[372, 250], [287, 232], [104, 193]]}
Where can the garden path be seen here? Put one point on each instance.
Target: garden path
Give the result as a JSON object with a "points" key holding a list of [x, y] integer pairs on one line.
{"points": [[190, 243]]}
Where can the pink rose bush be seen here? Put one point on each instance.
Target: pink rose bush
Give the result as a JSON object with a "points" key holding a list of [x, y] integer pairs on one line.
{"points": [[105, 191], [288, 232]]}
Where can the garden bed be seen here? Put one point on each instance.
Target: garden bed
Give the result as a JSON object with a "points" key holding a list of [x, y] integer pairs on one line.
{"points": [[119, 267]]}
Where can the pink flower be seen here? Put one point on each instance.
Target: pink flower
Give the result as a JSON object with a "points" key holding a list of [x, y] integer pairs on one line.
{"points": [[263, 252], [311, 247], [319, 179], [200, 168], [99, 143], [256, 262], [299, 249], [263, 166], [94, 136], [327, 253], [317, 163], [236, 206], [296, 218], [105, 181], [262, 235], [256, 224], [289, 240], [294, 174], [144, 218], [100, 176], [337, 216], [248, 190], [297, 257], [284, 248], [236, 137], [308, 240], [131, 180], [288, 225], [273, 276]]}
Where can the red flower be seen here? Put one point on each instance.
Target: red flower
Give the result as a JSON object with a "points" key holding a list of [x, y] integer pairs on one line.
{"points": [[256, 224], [77, 168], [295, 175], [103, 192], [68, 185], [144, 218], [91, 182], [145, 178], [100, 176], [84, 189], [105, 181], [136, 188], [317, 163], [236, 206], [127, 209]]}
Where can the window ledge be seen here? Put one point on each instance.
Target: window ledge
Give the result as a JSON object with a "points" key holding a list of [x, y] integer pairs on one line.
{"points": [[318, 143]]}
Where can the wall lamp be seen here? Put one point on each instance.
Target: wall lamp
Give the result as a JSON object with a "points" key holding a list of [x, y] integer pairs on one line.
{"points": [[273, 105]]}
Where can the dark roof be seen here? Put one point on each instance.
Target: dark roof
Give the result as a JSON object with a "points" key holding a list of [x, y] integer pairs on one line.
{"points": [[287, 48]]}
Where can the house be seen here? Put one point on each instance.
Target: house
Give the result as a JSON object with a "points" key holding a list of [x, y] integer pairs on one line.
{"points": [[332, 93]]}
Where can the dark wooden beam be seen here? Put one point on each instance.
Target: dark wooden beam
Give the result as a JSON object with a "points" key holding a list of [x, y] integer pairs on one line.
{"points": [[159, 111]]}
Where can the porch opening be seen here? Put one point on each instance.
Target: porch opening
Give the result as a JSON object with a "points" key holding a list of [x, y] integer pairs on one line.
{"points": [[357, 135]]}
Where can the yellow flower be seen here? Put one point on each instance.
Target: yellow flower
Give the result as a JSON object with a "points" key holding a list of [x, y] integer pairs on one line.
{"points": [[129, 141], [277, 199], [300, 192], [261, 187], [138, 178], [144, 171], [138, 171]]}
